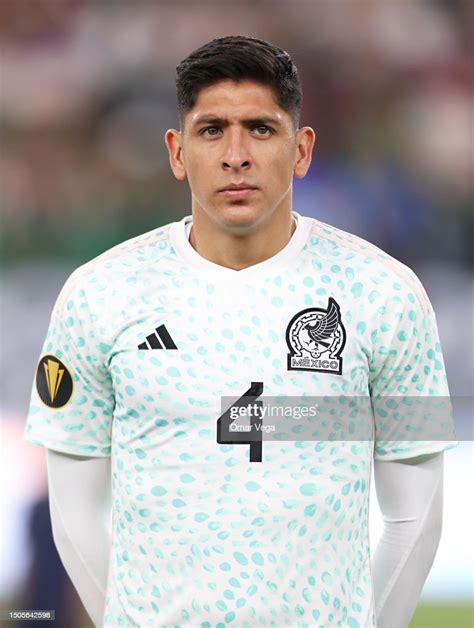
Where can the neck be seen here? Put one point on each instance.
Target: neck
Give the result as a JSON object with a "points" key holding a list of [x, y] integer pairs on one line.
{"points": [[238, 251]]}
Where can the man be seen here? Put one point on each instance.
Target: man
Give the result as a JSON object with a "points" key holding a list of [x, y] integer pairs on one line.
{"points": [[244, 299]]}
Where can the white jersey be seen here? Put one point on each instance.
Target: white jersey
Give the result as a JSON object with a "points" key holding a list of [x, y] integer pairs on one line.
{"points": [[143, 344]]}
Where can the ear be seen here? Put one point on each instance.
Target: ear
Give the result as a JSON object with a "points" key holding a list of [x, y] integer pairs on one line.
{"points": [[305, 139], [173, 140]]}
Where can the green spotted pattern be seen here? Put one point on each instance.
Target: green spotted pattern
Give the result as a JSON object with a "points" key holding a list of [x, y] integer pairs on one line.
{"points": [[201, 536]]}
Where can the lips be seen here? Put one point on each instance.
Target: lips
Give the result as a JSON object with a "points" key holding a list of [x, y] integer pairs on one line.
{"points": [[238, 190], [238, 186]]}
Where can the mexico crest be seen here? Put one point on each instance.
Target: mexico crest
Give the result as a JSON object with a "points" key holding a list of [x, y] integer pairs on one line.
{"points": [[316, 338]]}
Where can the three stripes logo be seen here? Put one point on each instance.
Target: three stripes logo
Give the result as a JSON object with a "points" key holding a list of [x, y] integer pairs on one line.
{"points": [[159, 339]]}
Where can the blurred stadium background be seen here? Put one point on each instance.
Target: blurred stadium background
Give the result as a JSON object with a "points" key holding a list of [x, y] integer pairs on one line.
{"points": [[87, 92]]}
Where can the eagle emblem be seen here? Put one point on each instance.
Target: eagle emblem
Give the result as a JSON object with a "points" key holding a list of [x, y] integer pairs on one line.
{"points": [[315, 339]]}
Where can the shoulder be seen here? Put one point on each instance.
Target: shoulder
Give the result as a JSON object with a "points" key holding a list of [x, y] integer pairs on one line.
{"points": [[367, 261], [117, 265]]}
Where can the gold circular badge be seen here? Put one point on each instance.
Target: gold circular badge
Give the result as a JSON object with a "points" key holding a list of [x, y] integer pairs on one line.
{"points": [[53, 382]]}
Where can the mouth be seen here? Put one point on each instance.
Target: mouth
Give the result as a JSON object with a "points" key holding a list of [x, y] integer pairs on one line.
{"points": [[237, 191]]}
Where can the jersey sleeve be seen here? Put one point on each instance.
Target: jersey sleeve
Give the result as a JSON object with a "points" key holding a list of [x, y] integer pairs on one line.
{"points": [[407, 378], [72, 400]]}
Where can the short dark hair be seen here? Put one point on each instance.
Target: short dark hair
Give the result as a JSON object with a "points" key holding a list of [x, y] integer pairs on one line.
{"points": [[239, 58]]}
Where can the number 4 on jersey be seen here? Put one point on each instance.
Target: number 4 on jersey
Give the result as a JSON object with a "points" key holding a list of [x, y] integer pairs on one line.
{"points": [[229, 437]]}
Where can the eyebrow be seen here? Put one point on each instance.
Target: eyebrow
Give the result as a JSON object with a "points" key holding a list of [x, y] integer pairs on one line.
{"points": [[216, 120]]}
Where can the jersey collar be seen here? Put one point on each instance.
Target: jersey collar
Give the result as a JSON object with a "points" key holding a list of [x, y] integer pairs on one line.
{"points": [[284, 257]]}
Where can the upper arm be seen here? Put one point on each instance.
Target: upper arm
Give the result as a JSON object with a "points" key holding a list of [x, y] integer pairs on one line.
{"points": [[407, 376], [78, 485], [72, 399], [405, 488]]}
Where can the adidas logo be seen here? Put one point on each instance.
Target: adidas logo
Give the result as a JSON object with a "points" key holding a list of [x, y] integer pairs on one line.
{"points": [[159, 340]]}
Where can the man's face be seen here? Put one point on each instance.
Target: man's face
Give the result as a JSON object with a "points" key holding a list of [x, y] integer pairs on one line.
{"points": [[239, 151]]}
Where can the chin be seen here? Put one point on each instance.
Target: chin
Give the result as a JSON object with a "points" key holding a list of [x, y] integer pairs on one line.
{"points": [[240, 216]]}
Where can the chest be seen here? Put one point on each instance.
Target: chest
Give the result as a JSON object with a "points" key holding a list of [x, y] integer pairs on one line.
{"points": [[181, 345]]}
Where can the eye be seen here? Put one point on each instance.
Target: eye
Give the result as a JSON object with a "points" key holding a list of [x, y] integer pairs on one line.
{"points": [[210, 130], [263, 129]]}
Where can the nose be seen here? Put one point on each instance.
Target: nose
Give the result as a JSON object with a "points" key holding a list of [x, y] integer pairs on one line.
{"points": [[236, 155]]}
